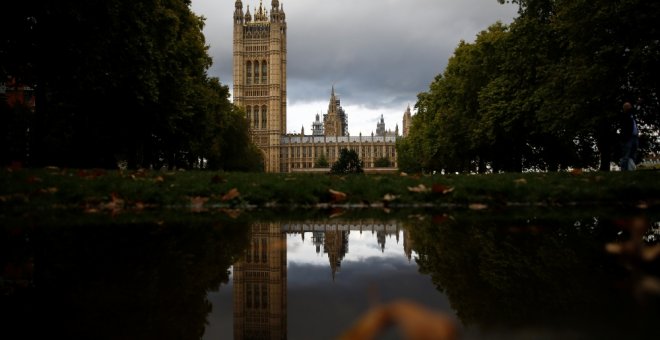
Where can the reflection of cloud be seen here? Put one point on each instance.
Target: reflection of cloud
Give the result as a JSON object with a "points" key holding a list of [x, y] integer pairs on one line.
{"points": [[380, 53], [320, 308]]}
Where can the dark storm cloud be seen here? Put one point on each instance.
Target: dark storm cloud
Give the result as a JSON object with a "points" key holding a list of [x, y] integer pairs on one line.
{"points": [[379, 52]]}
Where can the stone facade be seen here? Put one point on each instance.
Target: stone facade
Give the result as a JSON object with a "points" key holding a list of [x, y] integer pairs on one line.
{"points": [[259, 71]]}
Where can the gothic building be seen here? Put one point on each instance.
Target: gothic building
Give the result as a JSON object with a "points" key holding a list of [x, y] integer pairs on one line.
{"points": [[259, 71]]}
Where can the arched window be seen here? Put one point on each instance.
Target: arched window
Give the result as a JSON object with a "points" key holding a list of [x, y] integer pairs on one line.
{"points": [[256, 72], [248, 73], [248, 113], [255, 119], [264, 118], [264, 72]]}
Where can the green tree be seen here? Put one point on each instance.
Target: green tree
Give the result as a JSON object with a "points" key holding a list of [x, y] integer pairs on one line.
{"points": [[120, 80], [382, 162], [321, 162], [348, 162]]}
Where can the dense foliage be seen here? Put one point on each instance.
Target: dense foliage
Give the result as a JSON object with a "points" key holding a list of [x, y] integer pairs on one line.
{"points": [[542, 93], [118, 81], [348, 163]]}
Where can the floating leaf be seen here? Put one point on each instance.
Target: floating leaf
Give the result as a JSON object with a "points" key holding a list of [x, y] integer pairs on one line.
{"points": [[197, 203], [337, 196], [230, 195]]}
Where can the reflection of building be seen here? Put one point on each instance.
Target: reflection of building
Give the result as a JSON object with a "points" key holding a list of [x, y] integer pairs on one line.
{"points": [[260, 286], [336, 246], [259, 71], [260, 277]]}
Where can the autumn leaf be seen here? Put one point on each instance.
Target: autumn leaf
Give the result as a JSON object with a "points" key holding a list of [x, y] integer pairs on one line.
{"points": [[34, 179], [403, 174], [520, 181], [576, 172], [50, 190], [197, 203], [116, 204], [441, 189], [477, 206], [419, 189], [337, 196], [159, 179], [389, 198], [230, 195]]}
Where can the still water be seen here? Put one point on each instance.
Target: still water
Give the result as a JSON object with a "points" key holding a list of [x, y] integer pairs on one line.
{"points": [[568, 275]]}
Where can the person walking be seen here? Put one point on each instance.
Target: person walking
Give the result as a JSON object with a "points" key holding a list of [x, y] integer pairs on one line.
{"points": [[629, 138]]}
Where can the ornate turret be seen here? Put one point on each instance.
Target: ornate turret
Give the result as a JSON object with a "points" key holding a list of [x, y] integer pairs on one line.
{"points": [[407, 121], [248, 16], [261, 14], [238, 12]]}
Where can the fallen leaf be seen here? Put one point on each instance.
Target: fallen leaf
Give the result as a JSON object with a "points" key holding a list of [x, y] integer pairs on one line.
{"points": [[614, 248], [576, 172], [651, 253], [159, 179], [403, 174], [337, 212], [477, 206], [197, 203], [441, 189], [116, 204], [337, 196], [34, 179], [389, 198], [520, 181], [50, 190], [419, 189], [230, 195]]}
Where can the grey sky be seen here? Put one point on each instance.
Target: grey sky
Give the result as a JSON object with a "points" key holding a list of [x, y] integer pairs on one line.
{"points": [[379, 53]]}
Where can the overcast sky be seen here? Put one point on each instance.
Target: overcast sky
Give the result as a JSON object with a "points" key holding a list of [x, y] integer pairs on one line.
{"points": [[379, 53]]}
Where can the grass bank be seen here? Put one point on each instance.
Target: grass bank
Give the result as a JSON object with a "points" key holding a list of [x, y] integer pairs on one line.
{"points": [[99, 190]]}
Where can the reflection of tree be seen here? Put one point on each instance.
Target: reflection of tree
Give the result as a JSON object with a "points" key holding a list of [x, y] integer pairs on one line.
{"points": [[513, 273], [137, 281]]}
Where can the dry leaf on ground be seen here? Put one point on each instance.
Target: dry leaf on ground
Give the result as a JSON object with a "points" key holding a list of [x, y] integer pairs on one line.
{"points": [[337, 196], [230, 195], [419, 189]]}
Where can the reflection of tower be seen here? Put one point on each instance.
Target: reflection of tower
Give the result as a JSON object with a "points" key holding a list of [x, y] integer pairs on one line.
{"points": [[260, 286], [380, 236], [407, 243], [317, 239], [336, 246]]}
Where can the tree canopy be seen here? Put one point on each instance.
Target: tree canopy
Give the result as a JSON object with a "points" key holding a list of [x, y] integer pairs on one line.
{"points": [[122, 80], [348, 162], [542, 93]]}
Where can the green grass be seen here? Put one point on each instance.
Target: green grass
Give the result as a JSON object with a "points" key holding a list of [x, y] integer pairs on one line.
{"points": [[98, 190]]}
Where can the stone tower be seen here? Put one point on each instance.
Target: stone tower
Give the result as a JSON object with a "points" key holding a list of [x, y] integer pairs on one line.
{"points": [[260, 75], [407, 122], [335, 122]]}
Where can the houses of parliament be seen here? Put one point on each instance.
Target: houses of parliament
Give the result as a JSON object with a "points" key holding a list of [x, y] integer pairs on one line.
{"points": [[259, 72]]}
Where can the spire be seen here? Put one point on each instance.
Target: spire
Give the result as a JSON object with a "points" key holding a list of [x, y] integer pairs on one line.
{"points": [[238, 12], [248, 16]]}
